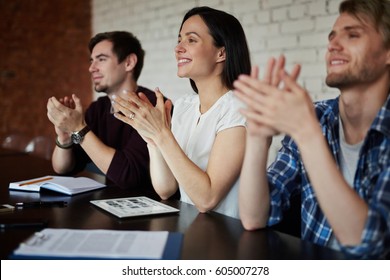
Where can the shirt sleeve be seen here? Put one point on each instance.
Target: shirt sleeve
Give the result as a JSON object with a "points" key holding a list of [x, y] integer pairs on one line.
{"points": [[230, 114], [130, 165], [283, 179], [375, 240]]}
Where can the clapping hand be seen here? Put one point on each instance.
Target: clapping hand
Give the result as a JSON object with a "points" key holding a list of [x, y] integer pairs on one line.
{"points": [[139, 112], [267, 99]]}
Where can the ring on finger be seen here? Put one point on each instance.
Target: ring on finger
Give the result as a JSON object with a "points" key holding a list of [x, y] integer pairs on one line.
{"points": [[131, 116]]}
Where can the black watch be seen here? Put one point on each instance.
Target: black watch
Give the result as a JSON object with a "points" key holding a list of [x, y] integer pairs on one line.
{"points": [[78, 136]]}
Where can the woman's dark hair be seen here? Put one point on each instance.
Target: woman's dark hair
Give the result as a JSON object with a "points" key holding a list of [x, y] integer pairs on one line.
{"points": [[227, 32], [123, 44]]}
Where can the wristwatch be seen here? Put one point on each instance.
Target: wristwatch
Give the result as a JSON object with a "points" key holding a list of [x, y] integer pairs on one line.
{"points": [[78, 136]]}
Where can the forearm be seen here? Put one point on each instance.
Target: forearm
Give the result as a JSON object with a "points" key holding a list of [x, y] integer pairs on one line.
{"points": [[206, 188], [254, 190], [98, 152], [63, 160], [195, 181], [163, 181], [344, 209]]}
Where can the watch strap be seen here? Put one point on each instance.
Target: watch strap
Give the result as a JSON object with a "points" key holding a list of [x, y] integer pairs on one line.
{"points": [[79, 135], [63, 146], [84, 131]]}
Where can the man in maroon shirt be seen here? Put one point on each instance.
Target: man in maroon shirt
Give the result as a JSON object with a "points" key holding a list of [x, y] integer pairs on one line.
{"points": [[97, 137]]}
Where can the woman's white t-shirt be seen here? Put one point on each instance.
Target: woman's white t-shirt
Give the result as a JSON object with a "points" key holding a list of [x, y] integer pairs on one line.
{"points": [[196, 133]]}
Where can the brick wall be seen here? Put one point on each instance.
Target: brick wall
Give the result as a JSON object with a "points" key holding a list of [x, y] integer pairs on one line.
{"points": [[43, 53], [297, 28]]}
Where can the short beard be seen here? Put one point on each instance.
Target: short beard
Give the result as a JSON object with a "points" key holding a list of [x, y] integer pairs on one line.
{"points": [[349, 79], [337, 81], [101, 89]]}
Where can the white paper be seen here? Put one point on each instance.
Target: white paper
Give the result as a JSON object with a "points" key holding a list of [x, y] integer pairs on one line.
{"points": [[104, 244]]}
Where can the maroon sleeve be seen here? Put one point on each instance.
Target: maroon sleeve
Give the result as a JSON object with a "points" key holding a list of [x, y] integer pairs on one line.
{"points": [[129, 167]]}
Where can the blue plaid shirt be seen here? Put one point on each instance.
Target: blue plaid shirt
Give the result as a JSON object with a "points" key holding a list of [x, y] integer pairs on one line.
{"points": [[288, 176]]}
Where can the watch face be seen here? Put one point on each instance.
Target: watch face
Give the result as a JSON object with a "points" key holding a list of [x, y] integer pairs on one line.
{"points": [[76, 138]]}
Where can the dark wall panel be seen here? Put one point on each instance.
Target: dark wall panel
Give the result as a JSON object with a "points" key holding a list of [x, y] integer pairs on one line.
{"points": [[43, 53]]}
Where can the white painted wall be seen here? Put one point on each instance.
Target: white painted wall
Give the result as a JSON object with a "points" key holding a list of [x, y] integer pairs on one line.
{"points": [[297, 28]]}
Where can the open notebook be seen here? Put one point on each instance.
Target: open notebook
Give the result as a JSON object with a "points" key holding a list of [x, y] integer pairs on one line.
{"points": [[62, 184]]}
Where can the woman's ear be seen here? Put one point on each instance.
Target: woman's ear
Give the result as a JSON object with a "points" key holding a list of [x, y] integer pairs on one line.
{"points": [[131, 61], [221, 55]]}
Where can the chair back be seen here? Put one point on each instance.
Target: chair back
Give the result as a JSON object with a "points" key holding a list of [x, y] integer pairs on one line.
{"points": [[15, 141], [41, 146]]}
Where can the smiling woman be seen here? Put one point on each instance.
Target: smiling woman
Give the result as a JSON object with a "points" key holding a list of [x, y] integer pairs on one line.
{"points": [[212, 52], [195, 50]]}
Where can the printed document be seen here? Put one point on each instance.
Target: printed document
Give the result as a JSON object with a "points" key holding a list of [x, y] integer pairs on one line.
{"points": [[95, 244]]}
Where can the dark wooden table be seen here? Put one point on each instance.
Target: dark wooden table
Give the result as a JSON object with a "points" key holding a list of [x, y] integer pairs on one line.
{"points": [[206, 236]]}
